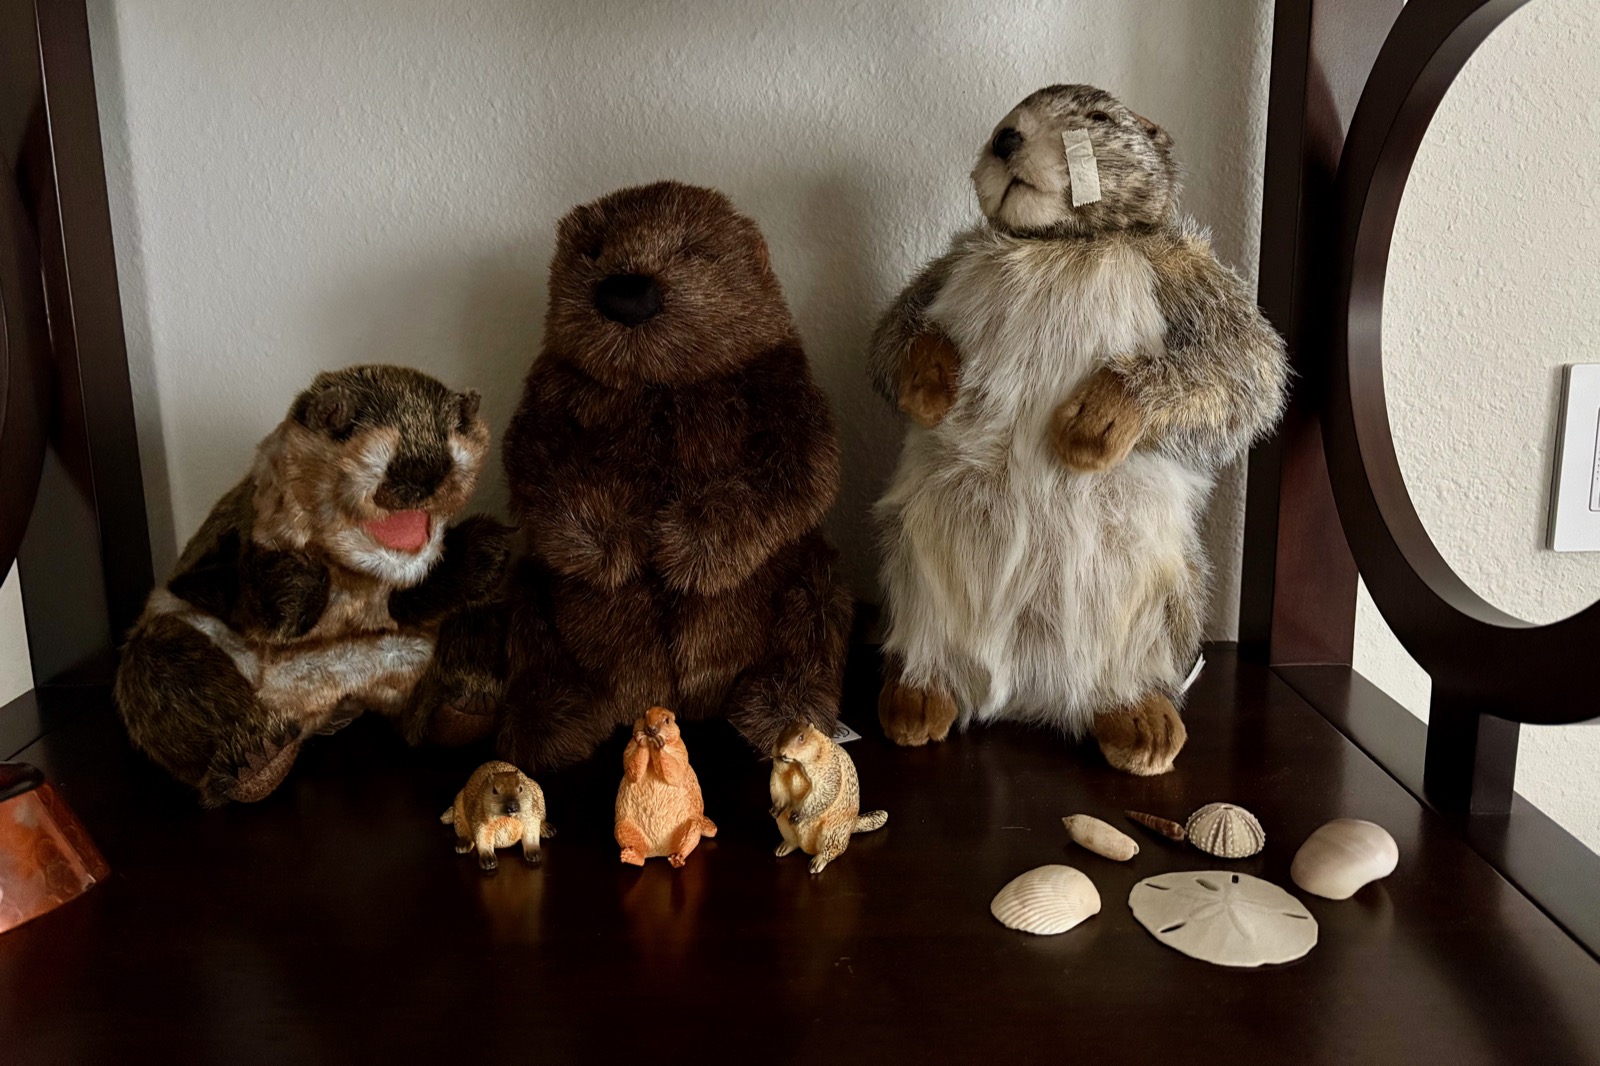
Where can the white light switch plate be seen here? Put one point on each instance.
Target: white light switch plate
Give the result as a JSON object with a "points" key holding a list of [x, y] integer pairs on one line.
{"points": [[1575, 489]]}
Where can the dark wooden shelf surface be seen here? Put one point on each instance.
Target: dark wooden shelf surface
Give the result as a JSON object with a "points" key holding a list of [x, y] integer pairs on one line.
{"points": [[333, 922]]}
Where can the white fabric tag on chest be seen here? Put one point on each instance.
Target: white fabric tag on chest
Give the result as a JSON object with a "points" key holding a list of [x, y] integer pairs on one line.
{"points": [[1081, 167]]}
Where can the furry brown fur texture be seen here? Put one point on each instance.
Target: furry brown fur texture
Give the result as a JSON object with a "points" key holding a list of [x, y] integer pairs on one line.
{"points": [[1076, 374], [670, 463], [320, 586]]}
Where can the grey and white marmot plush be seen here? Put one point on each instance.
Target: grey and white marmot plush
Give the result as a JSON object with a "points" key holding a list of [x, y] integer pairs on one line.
{"points": [[1076, 370]]}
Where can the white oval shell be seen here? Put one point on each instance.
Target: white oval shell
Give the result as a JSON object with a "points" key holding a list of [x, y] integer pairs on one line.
{"points": [[1226, 830], [1343, 855], [1046, 900], [1224, 918], [1100, 838]]}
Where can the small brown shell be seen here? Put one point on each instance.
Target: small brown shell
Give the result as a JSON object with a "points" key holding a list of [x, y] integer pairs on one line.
{"points": [[1165, 826], [1226, 830], [1091, 833]]}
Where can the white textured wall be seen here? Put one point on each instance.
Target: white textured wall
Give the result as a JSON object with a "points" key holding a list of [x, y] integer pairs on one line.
{"points": [[1492, 287], [302, 185], [16, 674]]}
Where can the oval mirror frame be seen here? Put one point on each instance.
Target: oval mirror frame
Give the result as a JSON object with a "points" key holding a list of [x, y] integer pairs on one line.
{"points": [[1481, 659]]}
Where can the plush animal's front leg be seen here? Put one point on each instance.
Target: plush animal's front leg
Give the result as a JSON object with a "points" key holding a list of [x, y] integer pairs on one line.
{"points": [[912, 715], [454, 702], [1142, 739], [1097, 426], [803, 672], [929, 377]]}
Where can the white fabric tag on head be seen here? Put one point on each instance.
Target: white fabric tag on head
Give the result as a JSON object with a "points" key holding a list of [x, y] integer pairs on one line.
{"points": [[1081, 167]]}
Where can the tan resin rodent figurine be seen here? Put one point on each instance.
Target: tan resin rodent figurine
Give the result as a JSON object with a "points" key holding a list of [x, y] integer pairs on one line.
{"points": [[816, 796], [659, 807], [1077, 368], [499, 807]]}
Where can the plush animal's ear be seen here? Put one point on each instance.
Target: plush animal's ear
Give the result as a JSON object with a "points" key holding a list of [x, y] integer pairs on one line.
{"points": [[581, 231], [331, 410], [467, 409]]}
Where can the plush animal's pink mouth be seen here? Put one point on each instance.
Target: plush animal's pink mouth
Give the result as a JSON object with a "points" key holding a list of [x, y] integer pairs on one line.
{"points": [[403, 531]]}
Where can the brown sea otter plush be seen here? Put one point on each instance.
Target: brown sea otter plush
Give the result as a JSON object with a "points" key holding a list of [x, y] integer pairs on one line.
{"points": [[326, 583], [670, 463]]}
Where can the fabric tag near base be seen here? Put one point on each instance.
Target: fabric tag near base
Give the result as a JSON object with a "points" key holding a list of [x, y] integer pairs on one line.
{"points": [[843, 734], [1194, 674], [1081, 167]]}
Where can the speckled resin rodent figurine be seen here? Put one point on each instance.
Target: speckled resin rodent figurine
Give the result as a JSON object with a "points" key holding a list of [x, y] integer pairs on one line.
{"points": [[500, 806], [670, 463], [1076, 368], [816, 797], [324, 584], [659, 808]]}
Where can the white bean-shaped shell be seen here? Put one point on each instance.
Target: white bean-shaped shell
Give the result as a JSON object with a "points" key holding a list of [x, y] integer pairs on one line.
{"points": [[1102, 839], [1343, 855], [1046, 900], [1226, 830]]}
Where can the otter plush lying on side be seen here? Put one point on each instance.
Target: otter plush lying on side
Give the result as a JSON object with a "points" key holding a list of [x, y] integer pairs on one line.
{"points": [[320, 586], [1077, 368]]}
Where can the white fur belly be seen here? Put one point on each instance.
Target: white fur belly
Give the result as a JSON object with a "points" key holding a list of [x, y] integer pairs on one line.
{"points": [[1030, 591]]}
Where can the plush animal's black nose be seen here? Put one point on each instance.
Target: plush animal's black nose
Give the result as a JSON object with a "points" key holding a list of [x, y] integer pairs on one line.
{"points": [[411, 479], [1006, 141], [628, 298], [512, 807]]}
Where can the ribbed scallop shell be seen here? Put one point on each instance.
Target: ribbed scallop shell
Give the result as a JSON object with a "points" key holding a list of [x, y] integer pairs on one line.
{"points": [[1046, 900], [1225, 830]]}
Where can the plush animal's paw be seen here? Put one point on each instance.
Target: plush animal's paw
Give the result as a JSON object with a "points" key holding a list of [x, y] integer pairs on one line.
{"points": [[1096, 427], [487, 861], [463, 718], [531, 855], [697, 544], [262, 771], [632, 857], [463, 846], [817, 864], [1143, 739], [784, 849], [480, 547], [912, 716], [928, 379], [677, 859], [593, 537]]}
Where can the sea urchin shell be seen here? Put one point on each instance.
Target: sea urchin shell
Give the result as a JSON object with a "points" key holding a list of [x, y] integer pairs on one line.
{"points": [[1226, 831]]}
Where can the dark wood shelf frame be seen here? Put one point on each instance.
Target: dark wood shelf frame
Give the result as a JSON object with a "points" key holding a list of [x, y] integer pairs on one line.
{"points": [[1353, 85]]}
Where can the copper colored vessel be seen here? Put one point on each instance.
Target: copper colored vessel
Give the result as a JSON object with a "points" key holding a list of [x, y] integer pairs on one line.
{"points": [[46, 856]]}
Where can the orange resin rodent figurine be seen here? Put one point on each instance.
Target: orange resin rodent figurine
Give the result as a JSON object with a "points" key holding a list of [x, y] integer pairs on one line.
{"points": [[659, 808]]}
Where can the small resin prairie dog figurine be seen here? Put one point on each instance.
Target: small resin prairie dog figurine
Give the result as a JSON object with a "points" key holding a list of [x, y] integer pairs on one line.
{"points": [[1076, 370], [659, 809], [326, 583], [816, 797], [499, 807]]}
